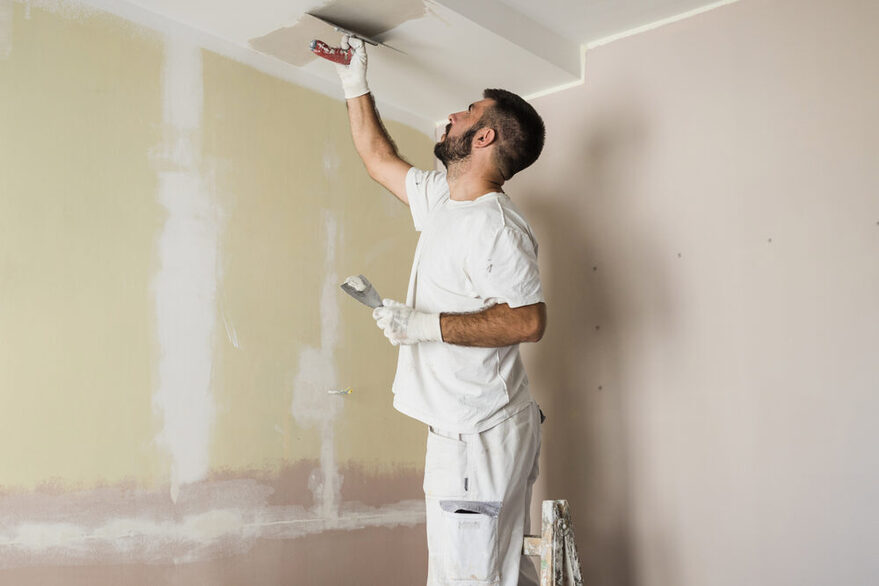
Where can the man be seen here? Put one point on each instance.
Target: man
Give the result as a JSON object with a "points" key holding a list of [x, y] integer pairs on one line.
{"points": [[474, 295]]}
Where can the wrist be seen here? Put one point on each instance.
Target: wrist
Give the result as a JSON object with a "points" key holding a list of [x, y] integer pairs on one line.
{"points": [[426, 327], [355, 89]]}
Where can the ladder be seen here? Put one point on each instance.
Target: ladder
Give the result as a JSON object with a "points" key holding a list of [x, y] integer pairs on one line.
{"points": [[559, 563]]}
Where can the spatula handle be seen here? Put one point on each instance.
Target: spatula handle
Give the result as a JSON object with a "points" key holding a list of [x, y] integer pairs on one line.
{"points": [[334, 54]]}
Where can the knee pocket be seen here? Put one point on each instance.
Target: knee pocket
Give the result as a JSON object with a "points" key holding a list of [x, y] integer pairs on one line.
{"points": [[471, 539]]}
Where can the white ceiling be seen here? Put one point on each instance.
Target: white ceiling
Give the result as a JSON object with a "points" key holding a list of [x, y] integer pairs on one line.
{"points": [[451, 49]]}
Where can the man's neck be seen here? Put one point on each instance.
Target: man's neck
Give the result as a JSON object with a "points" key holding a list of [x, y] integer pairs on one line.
{"points": [[467, 183]]}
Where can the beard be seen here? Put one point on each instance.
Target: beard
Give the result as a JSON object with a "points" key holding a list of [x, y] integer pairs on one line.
{"points": [[454, 149]]}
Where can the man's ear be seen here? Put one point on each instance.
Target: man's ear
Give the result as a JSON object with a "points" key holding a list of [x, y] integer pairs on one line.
{"points": [[485, 136]]}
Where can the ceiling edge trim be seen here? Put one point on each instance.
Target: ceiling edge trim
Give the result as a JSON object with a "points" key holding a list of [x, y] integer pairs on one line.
{"points": [[657, 24]]}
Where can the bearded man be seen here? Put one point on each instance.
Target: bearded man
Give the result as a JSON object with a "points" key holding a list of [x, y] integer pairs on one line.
{"points": [[474, 295]]}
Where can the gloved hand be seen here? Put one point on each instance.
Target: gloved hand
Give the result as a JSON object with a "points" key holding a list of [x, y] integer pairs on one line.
{"points": [[404, 325], [353, 75]]}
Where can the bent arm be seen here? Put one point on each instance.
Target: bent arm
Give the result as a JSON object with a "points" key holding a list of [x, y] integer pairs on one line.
{"points": [[497, 326], [375, 147]]}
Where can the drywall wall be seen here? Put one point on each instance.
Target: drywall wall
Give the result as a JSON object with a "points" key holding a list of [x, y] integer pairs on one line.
{"points": [[708, 215], [173, 229]]}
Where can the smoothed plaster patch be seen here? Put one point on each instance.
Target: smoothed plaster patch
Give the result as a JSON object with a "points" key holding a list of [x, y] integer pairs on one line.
{"points": [[312, 405], [185, 286]]}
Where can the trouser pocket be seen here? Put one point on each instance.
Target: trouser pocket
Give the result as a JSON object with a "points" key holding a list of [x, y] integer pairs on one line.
{"points": [[471, 539], [445, 467]]}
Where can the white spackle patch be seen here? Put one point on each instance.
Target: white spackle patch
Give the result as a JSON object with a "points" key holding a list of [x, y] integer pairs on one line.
{"points": [[356, 283], [186, 283], [6, 14], [211, 526], [312, 406]]}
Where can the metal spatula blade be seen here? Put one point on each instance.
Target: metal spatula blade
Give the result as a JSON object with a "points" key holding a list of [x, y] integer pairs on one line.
{"points": [[367, 295]]}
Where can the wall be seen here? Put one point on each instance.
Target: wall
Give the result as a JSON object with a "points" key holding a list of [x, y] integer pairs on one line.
{"points": [[708, 212], [173, 229]]}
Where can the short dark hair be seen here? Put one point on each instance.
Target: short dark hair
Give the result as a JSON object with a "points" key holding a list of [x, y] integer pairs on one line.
{"points": [[519, 128]]}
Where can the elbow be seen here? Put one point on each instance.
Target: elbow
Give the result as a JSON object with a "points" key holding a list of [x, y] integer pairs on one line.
{"points": [[536, 333], [371, 169], [376, 167], [536, 324]]}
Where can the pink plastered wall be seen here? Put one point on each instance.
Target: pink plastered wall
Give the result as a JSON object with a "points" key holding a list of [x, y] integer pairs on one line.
{"points": [[707, 207]]}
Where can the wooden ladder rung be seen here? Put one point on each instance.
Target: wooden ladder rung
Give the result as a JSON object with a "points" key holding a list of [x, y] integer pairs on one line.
{"points": [[532, 546]]}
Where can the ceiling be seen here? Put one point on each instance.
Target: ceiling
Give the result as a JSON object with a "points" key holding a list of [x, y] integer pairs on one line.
{"points": [[447, 50]]}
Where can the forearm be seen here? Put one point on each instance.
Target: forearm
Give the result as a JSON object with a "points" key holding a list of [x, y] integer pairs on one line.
{"points": [[371, 139], [497, 326]]}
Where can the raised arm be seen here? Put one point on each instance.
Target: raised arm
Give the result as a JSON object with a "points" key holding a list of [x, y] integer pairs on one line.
{"points": [[371, 139], [375, 147]]}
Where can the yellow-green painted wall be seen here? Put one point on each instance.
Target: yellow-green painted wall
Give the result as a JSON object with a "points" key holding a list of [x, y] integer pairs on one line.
{"points": [[80, 121]]}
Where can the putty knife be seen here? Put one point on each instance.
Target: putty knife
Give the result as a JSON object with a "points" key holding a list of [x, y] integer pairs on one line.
{"points": [[338, 54], [362, 290]]}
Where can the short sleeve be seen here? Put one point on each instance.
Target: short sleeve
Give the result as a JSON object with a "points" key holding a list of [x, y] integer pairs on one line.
{"points": [[506, 271], [425, 190]]}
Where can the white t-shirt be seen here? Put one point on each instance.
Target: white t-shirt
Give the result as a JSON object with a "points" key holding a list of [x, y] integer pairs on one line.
{"points": [[470, 256]]}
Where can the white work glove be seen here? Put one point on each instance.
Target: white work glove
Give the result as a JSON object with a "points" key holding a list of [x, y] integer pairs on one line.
{"points": [[353, 75], [404, 325]]}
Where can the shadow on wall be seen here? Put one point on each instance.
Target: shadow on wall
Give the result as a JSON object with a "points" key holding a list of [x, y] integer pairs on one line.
{"points": [[582, 213]]}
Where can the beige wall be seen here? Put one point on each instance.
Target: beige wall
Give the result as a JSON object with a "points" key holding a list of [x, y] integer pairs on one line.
{"points": [[708, 213], [173, 229]]}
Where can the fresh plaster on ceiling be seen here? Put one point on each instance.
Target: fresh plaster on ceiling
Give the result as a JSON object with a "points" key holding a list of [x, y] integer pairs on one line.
{"points": [[290, 43]]}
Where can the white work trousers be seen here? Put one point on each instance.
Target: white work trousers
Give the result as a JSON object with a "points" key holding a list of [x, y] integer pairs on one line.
{"points": [[477, 489]]}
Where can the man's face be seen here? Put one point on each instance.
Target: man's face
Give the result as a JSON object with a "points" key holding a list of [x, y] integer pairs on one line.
{"points": [[457, 141]]}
